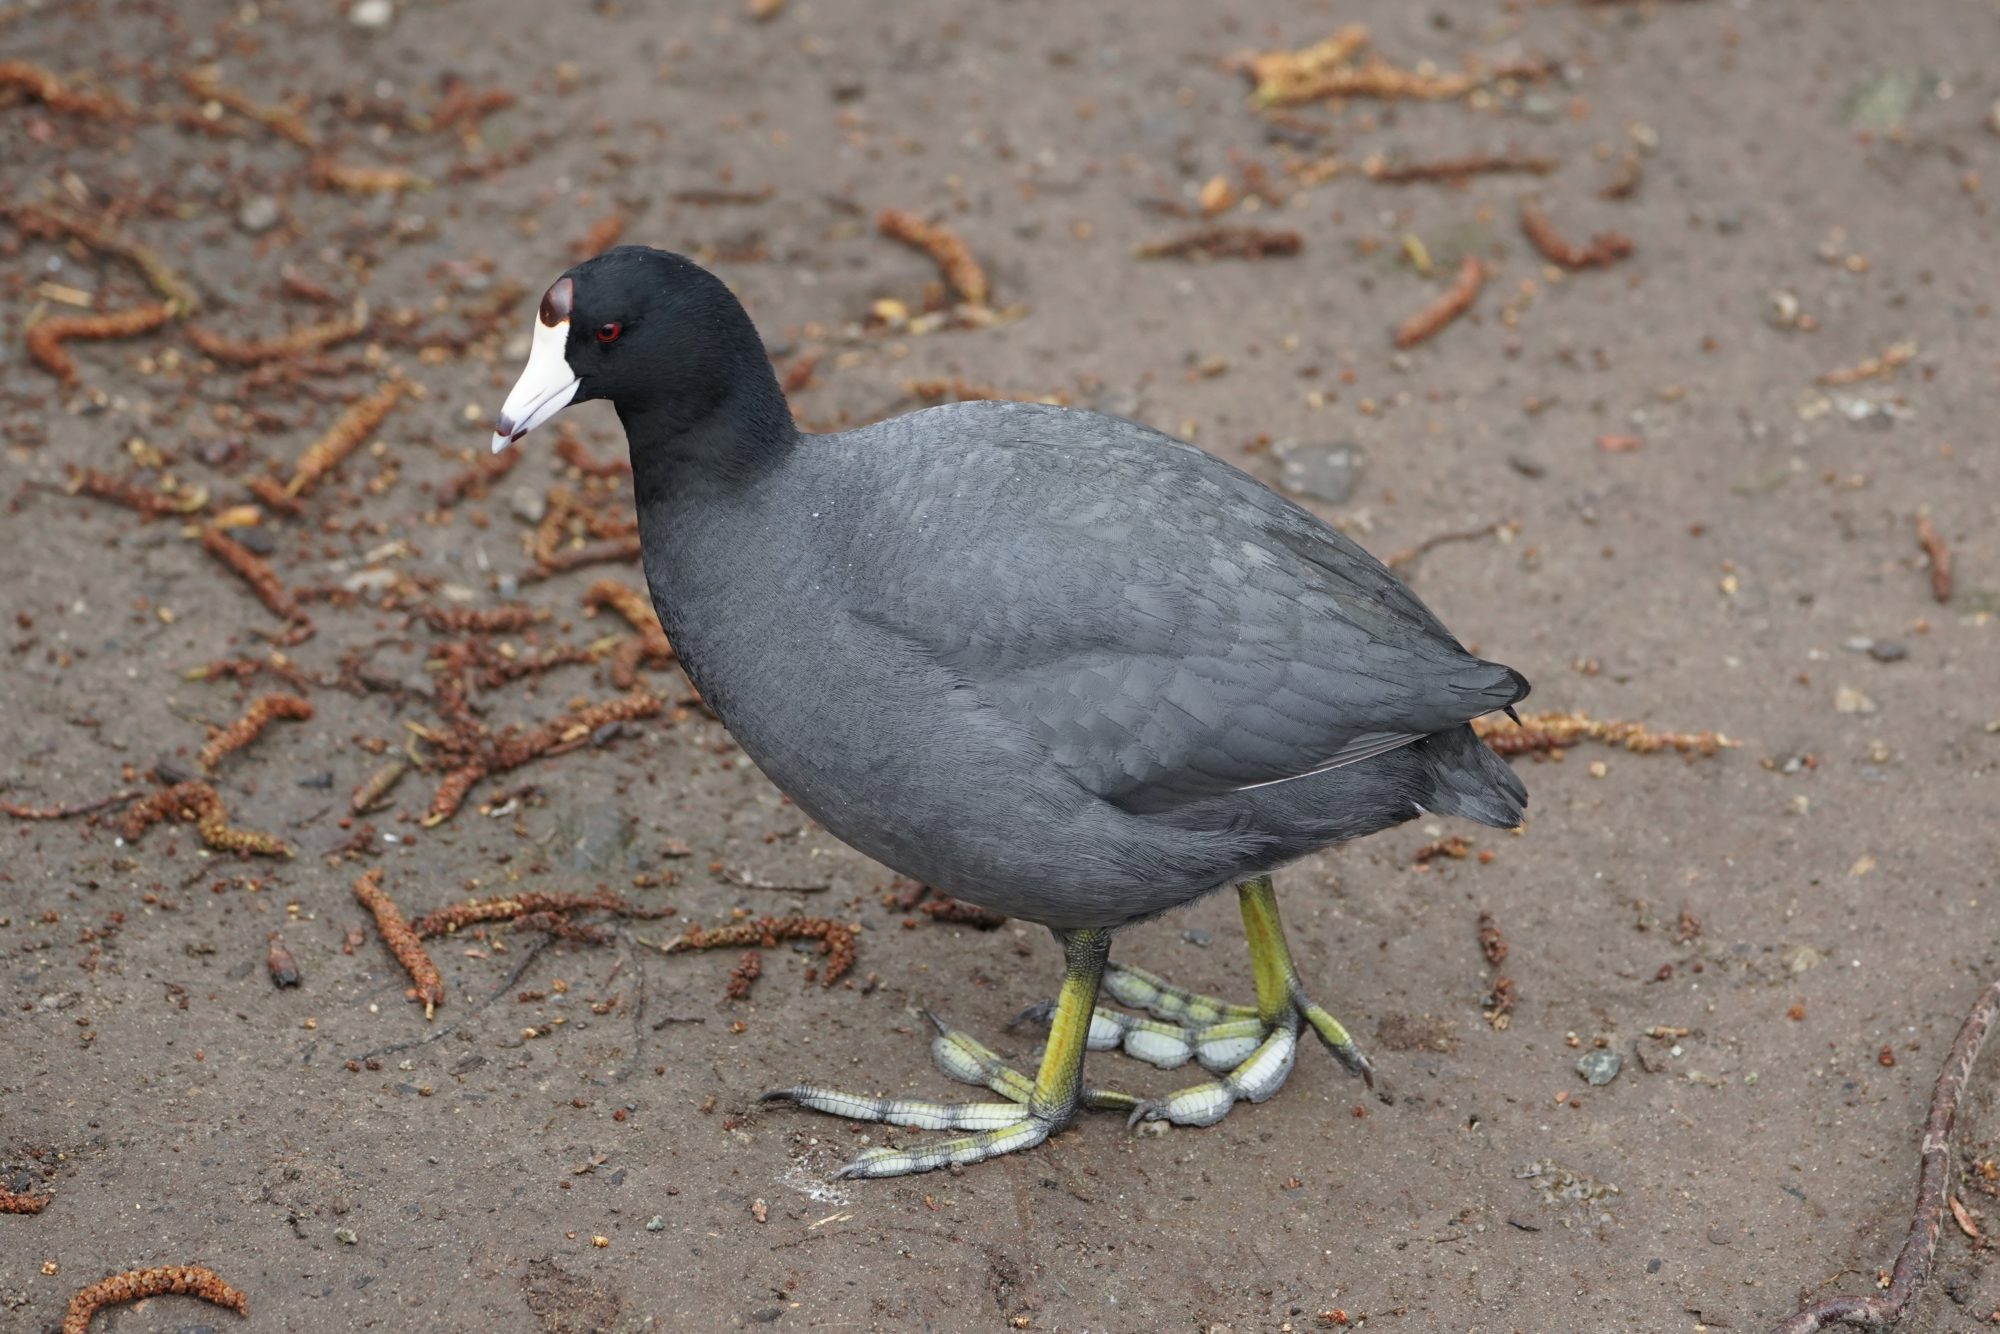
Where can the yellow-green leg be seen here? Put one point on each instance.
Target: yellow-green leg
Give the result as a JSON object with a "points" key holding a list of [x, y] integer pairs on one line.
{"points": [[1034, 1110], [1250, 1047], [1282, 1009]]}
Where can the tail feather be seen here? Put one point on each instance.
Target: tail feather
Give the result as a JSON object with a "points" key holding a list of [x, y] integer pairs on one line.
{"points": [[1470, 781]]}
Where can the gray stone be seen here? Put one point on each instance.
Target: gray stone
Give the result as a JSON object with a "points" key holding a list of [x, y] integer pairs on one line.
{"points": [[258, 214], [1324, 472], [1599, 1066], [657, 1223], [528, 503]]}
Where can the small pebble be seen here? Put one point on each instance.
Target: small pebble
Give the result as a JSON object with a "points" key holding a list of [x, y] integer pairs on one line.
{"points": [[1598, 1067], [527, 503], [1324, 472], [1848, 699], [657, 1223], [1541, 106], [372, 13], [258, 214], [345, 1236], [1195, 936], [1888, 650]]}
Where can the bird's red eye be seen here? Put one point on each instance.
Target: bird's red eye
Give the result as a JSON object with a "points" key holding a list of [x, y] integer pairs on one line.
{"points": [[608, 333]]}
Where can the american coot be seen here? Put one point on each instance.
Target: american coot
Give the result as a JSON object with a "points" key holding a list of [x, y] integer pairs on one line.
{"points": [[1051, 662]]}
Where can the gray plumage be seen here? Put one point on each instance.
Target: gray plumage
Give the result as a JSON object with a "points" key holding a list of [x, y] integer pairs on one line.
{"points": [[1052, 662]]}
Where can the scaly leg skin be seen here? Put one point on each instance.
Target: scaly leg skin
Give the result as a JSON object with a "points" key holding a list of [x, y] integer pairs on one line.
{"points": [[1033, 1110], [1251, 1048], [1282, 1006]]}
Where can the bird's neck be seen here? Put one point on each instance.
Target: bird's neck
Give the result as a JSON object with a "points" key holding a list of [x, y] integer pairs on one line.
{"points": [[696, 455]]}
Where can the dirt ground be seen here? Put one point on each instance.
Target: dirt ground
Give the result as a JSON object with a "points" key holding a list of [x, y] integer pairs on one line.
{"points": [[1671, 519]]}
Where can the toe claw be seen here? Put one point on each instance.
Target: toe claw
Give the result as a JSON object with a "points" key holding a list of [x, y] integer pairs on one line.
{"points": [[1038, 1013]]}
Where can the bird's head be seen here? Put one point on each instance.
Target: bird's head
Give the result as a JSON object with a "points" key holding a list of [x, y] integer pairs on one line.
{"points": [[653, 332]]}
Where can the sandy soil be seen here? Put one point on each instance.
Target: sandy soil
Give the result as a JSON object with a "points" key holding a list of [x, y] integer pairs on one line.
{"points": [[1810, 913]]}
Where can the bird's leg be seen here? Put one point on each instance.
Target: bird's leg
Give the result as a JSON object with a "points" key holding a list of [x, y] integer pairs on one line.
{"points": [[1187, 1026], [1033, 1110], [1282, 1009]]}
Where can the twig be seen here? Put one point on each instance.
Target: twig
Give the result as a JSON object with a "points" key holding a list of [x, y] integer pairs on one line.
{"points": [[1556, 730], [475, 479], [127, 491], [306, 338], [1913, 1264], [51, 92], [377, 785], [649, 646], [1500, 1002], [46, 338], [954, 260], [944, 908], [68, 809], [254, 571], [457, 916], [1940, 557], [138, 1284], [261, 713], [1224, 242], [600, 236], [837, 939], [48, 220], [1455, 168], [571, 451], [199, 803], [280, 120], [506, 985], [346, 434], [329, 174], [481, 754], [1605, 248], [402, 942], [1451, 303], [1883, 364], [1401, 560], [749, 967], [744, 880]]}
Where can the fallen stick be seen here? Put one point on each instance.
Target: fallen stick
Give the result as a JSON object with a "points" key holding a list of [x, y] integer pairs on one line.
{"points": [[1604, 249], [44, 86], [427, 986], [68, 809], [1451, 303], [45, 339], [138, 1284], [1913, 1264], [49, 220], [251, 725], [952, 257], [1940, 557]]}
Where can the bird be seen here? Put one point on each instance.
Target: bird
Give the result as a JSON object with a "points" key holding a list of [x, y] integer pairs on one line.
{"points": [[1051, 662]]}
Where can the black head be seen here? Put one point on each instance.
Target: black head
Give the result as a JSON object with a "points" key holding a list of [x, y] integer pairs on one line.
{"points": [[657, 335]]}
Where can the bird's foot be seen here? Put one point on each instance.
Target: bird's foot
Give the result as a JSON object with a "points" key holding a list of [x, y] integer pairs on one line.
{"points": [[1215, 1034], [1252, 1055], [1223, 1023], [998, 1127]]}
